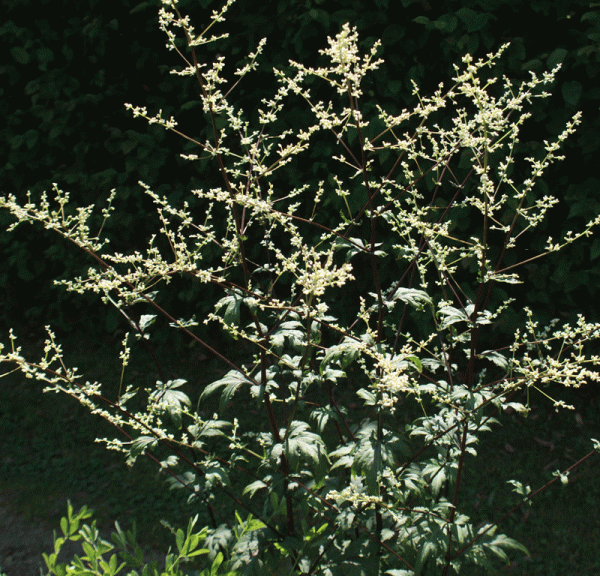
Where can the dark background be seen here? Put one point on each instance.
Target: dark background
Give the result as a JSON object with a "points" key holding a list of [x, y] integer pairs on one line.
{"points": [[68, 67], [66, 70]]}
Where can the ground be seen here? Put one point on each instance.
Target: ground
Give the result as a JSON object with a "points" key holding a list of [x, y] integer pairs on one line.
{"points": [[22, 541]]}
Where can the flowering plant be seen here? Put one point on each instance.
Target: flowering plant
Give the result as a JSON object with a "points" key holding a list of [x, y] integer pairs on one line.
{"points": [[372, 369]]}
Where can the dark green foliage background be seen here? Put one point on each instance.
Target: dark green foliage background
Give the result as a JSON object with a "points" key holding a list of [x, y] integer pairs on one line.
{"points": [[69, 66]]}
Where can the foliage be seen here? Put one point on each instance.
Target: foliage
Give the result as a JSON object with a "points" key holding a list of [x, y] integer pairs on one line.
{"points": [[102, 558], [339, 442]]}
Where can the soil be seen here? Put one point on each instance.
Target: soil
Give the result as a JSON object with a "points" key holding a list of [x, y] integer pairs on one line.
{"points": [[22, 541]]}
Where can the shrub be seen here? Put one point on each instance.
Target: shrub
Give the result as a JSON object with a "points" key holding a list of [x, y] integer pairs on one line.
{"points": [[364, 361]]}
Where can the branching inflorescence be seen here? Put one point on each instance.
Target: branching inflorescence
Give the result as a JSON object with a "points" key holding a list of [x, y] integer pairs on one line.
{"points": [[329, 472]]}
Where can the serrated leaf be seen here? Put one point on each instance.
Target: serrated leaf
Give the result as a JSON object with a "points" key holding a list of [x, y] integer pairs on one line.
{"points": [[437, 482], [209, 428], [451, 315], [230, 382], [214, 474], [301, 444], [343, 354], [292, 332], [369, 397], [232, 304], [509, 543], [426, 550], [505, 278], [387, 534], [496, 358], [413, 297], [139, 445], [167, 399], [146, 320], [254, 487], [367, 456]]}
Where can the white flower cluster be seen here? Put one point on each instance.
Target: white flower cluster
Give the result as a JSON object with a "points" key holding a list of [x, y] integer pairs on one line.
{"points": [[402, 193]]}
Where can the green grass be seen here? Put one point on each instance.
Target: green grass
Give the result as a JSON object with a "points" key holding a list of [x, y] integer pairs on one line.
{"points": [[560, 528], [49, 455]]}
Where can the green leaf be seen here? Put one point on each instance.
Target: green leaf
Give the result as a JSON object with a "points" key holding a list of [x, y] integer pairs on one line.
{"points": [[416, 362], [342, 354], [320, 16], [216, 564], [146, 320], [571, 92], [292, 332], [321, 415], [557, 57], [31, 138], [50, 560], [139, 446], [369, 397], [171, 401], [473, 20], [179, 540], [451, 315], [232, 303], [214, 474], [367, 456], [415, 298], [342, 457], [254, 487], [301, 444], [90, 552], [426, 550], [44, 55], [496, 358], [19, 54], [191, 104], [595, 249], [198, 552], [446, 23], [231, 381], [593, 17], [421, 20], [141, 6], [58, 544]]}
